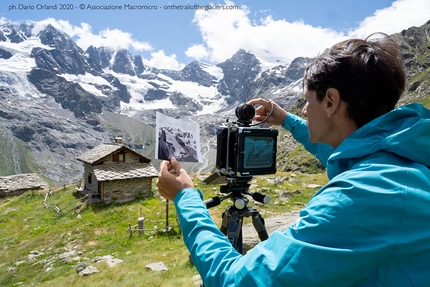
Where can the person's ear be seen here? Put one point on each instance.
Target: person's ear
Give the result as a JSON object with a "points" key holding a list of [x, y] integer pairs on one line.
{"points": [[333, 100]]}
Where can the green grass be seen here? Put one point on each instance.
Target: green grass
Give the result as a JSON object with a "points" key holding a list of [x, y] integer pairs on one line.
{"points": [[97, 230]]}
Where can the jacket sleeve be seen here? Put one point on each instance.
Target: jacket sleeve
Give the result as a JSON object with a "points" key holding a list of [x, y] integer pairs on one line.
{"points": [[299, 129]]}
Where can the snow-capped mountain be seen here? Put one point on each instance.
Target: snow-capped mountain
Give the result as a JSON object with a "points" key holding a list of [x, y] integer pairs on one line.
{"points": [[124, 84], [58, 100]]}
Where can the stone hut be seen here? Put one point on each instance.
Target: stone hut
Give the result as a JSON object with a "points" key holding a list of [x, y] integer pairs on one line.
{"points": [[15, 185], [114, 172]]}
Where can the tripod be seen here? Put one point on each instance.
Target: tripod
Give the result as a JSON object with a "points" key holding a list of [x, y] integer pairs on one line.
{"points": [[232, 217]]}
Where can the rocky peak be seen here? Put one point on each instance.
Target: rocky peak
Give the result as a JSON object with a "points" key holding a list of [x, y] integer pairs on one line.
{"points": [[240, 72], [123, 63], [417, 36], [414, 44], [65, 57], [242, 57], [53, 38], [194, 72], [139, 67], [297, 67], [120, 61], [100, 56], [26, 29], [11, 33]]}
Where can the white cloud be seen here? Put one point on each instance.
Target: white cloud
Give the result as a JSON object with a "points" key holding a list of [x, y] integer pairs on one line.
{"points": [[115, 38], [3, 20], [197, 52], [162, 61], [401, 15], [84, 36], [224, 32]]}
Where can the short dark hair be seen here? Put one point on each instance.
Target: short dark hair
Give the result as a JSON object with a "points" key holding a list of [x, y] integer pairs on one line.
{"points": [[369, 75]]}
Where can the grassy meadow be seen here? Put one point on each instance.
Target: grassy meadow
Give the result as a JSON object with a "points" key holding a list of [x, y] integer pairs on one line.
{"points": [[29, 224]]}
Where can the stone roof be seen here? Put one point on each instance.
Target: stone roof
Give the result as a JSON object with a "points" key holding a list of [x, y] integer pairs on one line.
{"points": [[124, 170], [17, 184], [100, 152]]}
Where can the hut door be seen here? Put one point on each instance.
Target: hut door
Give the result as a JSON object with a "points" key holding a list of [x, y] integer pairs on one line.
{"points": [[99, 190]]}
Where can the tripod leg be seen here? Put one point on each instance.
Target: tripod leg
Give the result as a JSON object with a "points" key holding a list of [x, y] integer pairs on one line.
{"points": [[234, 233], [224, 223], [259, 226]]}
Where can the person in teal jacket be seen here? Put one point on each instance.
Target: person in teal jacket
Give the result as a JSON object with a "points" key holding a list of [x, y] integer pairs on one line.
{"points": [[370, 224]]}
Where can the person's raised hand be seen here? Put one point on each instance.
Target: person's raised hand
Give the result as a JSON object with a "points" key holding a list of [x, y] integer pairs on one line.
{"points": [[172, 179], [278, 114]]}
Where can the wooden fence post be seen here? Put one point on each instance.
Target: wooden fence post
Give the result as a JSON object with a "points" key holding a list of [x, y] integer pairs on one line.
{"points": [[167, 215], [141, 223], [131, 231]]}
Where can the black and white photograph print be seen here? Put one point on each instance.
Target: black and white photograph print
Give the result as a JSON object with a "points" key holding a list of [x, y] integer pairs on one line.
{"points": [[177, 138]]}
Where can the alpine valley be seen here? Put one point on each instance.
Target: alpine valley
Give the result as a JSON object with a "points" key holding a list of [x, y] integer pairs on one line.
{"points": [[57, 101]]}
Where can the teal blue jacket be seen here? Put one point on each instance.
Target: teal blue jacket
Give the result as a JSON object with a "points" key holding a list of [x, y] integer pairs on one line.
{"points": [[369, 226]]}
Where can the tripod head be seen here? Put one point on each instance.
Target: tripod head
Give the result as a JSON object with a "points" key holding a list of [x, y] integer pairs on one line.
{"points": [[236, 189]]}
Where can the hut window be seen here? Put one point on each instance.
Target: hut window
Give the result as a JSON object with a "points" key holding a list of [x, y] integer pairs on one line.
{"points": [[90, 178], [119, 157]]}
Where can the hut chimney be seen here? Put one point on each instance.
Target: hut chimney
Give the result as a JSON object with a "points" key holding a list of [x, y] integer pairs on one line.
{"points": [[118, 140]]}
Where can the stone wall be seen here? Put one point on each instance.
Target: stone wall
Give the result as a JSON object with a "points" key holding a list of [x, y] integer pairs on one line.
{"points": [[93, 185], [127, 189], [18, 184]]}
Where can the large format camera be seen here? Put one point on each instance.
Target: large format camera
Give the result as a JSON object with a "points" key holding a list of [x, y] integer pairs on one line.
{"points": [[244, 150]]}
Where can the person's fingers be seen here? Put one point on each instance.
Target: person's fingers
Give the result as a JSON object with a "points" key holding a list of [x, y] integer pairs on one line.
{"points": [[261, 111], [260, 101], [169, 167], [277, 114], [175, 165], [163, 173], [163, 167], [158, 182]]}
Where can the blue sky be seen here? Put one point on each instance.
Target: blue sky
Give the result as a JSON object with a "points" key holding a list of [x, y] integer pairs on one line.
{"points": [[277, 31]]}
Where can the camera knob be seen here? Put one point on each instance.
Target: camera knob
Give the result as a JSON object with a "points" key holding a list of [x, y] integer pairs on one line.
{"points": [[240, 203]]}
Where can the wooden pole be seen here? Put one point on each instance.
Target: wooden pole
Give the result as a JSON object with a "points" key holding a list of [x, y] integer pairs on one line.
{"points": [[141, 223], [167, 215], [129, 228]]}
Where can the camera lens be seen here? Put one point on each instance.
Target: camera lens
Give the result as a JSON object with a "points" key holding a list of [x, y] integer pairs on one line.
{"points": [[245, 112]]}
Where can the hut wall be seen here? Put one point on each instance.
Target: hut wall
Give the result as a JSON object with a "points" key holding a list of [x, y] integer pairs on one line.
{"points": [[122, 190]]}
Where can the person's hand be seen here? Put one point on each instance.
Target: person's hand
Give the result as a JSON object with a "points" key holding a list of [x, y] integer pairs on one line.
{"points": [[278, 113], [172, 179]]}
